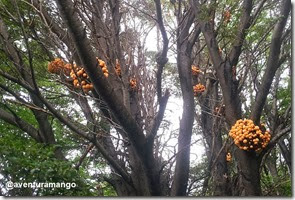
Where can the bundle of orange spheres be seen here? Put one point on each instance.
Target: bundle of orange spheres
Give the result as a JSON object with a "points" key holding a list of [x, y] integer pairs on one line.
{"points": [[78, 74], [195, 70], [58, 66], [199, 88], [249, 137], [118, 68], [133, 83], [103, 66], [81, 79]]}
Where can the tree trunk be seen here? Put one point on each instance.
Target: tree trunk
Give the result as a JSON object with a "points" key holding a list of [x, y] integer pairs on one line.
{"points": [[185, 131], [249, 176], [212, 130], [184, 51]]}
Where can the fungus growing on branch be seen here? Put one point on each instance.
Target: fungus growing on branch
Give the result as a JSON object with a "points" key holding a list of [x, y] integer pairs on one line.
{"points": [[195, 70], [77, 73], [81, 79], [249, 137], [219, 110], [220, 51], [228, 157], [56, 66], [133, 83], [199, 88], [118, 68], [103, 66]]}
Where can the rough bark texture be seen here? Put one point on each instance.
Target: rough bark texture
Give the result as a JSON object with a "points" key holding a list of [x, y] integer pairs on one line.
{"points": [[185, 131], [184, 50]]}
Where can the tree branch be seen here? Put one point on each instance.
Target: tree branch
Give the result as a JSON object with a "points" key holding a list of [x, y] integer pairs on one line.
{"points": [[161, 62], [245, 23], [274, 141], [184, 62], [272, 62], [88, 149], [21, 124], [158, 119], [162, 56], [100, 82]]}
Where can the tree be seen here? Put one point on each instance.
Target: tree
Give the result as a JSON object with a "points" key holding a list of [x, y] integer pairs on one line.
{"points": [[227, 66]]}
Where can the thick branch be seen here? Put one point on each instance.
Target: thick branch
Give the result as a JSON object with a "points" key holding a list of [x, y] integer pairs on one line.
{"points": [[277, 137], [180, 180], [162, 56], [258, 10], [158, 119], [223, 69], [19, 81], [112, 162], [274, 141], [101, 84], [9, 48], [272, 62], [16, 121], [74, 128], [245, 22], [161, 62], [286, 152], [14, 55]]}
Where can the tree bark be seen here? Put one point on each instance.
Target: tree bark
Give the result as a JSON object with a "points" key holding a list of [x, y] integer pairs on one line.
{"points": [[272, 62], [106, 91], [184, 50]]}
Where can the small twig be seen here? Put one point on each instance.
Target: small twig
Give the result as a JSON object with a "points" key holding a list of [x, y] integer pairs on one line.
{"points": [[88, 149], [31, 106]]}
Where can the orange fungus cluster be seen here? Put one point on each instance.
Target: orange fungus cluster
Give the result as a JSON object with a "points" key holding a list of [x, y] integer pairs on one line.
{"points": [[81, 79], [133, 83], [199, 88], [249, 137], [103, 66], [228, 157], [118, 68], [58, 66], [195, 70], [79, 76]]}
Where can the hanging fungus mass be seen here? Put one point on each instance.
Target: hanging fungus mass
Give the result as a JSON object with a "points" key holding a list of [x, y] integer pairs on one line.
{"points": [[81, 79], [195, 70], [103, 66], [199, 88], [249, 137], [118, 68], [57, 66], [133, 83], [78, 74]]}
